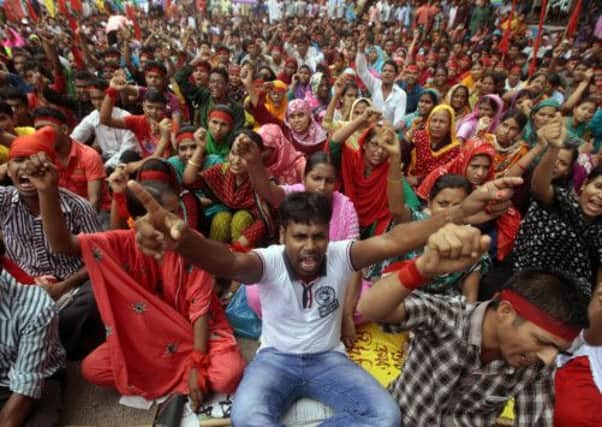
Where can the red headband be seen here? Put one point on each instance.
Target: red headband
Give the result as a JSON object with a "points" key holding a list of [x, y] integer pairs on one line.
{"points": [[222, 115], [537, 316], [156, 70], [152, 175], [49, 119], [184, 135], [42, 140]]}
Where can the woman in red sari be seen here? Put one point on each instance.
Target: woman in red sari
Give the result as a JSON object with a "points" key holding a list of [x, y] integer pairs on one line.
{"points": [[476, 162], [435, 145], [166, 330]]}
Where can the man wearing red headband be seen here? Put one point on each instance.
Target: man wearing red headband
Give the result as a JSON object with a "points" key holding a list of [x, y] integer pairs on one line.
{"points": [[467, 360], [61, 276], [80, 166]]}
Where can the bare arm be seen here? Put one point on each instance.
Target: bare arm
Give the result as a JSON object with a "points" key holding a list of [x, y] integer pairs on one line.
{"points": [[576, 96], [470, 286], [541, 183], [95, 193], [15, 410], [195, 163], [519, 168]]}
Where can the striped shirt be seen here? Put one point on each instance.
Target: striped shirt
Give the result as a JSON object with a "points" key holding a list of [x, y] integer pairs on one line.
{"points": [[30, 349], [24, 236]]}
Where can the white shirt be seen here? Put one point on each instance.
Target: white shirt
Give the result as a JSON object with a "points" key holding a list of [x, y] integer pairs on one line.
{"points": [[287, 325], [394, 107], [112, 141], [312, 57]]}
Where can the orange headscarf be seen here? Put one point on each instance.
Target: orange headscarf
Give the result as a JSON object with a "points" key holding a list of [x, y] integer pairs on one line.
{"points": [[42, 140]]}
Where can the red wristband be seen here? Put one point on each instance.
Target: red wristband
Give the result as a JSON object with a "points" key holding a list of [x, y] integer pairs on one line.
{"points": [[112, 92], [410, 277], [200, 362]]}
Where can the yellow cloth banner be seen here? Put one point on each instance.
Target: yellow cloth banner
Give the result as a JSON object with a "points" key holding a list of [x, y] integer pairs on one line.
{"points": [[50, 7]]}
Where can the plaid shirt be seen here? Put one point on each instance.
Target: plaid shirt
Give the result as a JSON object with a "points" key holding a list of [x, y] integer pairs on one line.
{"points": [[444, 382]]}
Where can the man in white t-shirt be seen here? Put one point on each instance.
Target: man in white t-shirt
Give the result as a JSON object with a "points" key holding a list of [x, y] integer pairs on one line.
{"points": [[302, 288]]}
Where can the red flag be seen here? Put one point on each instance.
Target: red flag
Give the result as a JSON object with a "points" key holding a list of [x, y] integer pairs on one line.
{"points": [[62, 6], [542, 15], [573, 20], [505, 42], [131, 14], [13, 10], [167, 5], [76, 6], [33, 16]]}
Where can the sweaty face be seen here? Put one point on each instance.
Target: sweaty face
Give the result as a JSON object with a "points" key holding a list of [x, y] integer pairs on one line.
{"points": [[445, 199], [154, 110], [485, 110], [388, 74], [20, 180], [477, 169], [306, 246], [425, 105], [459, 99], [507, 131], [584, 112], [374, 154], [562, 167], [237, 164], [218, 128], [217, 86], [186, 149], [591, 198], [439, 124], [322, 179], [543, 116], [522, 343], [299, 121]]}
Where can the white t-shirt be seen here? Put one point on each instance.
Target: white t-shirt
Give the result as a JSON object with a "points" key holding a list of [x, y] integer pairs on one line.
{"points": [[287, 325]]}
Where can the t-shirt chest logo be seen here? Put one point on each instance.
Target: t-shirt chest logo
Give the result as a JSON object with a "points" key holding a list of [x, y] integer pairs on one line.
{"points": [[326, 298]]}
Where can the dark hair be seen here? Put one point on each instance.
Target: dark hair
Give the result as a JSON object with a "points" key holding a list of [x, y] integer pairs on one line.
{"points": [[350, 85], [155, 188], [554, 292], [252, 135], [49, 112], [305, 66], [155, 95], [518, 116], [186, 129], [222, 72], [491, 102], [99, 84], [586, 100], [594, 173], [431, 94], [12, 92], [392, 64], [450, 180], [271, 75], [318, 158], [129, 156], [6, 109], [82, 75], [112, 51], [155, 64], [305, 207]]}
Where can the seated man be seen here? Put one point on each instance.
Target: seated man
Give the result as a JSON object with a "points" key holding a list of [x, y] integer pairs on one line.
{"points": [[30, 355], [111, 142], [62, 276], [80, 166], [467, 360], [166, 329], [302, 285]]}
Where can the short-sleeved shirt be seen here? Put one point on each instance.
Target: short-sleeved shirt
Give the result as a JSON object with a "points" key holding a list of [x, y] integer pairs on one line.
{"points": [[141, 128], [444, 382], [30, 349], [303, 319], [84, 164], [558, 237]]}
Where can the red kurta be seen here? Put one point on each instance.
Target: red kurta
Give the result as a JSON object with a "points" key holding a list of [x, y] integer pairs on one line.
{"points": [[148, 308]]}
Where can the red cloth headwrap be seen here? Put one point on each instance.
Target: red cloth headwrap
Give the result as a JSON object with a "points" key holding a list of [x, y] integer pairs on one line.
{"points": [[221, 115], [42, 140], [534, 314]]}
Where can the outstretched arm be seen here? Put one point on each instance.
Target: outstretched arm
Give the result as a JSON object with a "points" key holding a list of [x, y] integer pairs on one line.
{"points": [[161, 230], [42, 174], [452, 248]]}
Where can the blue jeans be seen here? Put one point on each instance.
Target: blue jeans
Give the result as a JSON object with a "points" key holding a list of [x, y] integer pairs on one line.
{"points": [[273, 381]]}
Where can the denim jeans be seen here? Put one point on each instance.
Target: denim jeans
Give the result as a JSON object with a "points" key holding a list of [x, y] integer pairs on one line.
{"points": [[273, 381]]}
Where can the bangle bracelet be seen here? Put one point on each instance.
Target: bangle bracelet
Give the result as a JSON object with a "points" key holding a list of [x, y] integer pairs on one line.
{"points": [[193, 163]]}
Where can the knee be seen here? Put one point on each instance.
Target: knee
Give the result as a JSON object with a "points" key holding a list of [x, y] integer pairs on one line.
{"points": [[227, 379], [220, 227], [389, 413]]}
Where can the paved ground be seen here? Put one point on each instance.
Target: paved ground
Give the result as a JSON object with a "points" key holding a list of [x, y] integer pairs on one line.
{"points": [[89, 405]]}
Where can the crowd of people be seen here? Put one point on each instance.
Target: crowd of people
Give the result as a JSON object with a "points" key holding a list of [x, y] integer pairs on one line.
{"points": [[433, 166]]}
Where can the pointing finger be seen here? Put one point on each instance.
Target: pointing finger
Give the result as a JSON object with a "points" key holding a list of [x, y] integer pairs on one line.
{"points": [[144, 197]]}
